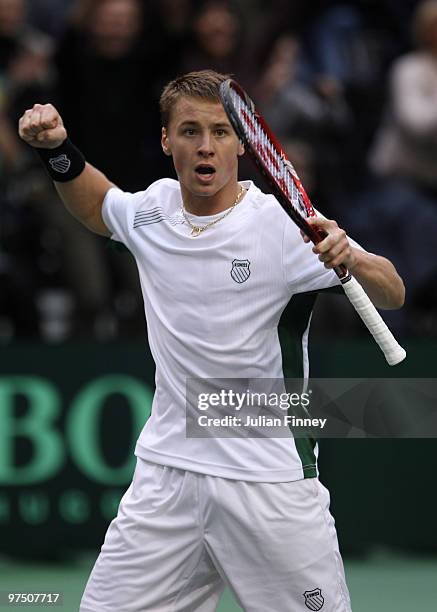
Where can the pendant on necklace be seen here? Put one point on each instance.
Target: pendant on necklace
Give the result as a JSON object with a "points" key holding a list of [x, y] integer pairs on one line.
{"points": [[196, 231]]}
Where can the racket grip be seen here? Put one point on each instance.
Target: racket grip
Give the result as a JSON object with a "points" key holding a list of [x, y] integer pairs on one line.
{"points": [[393, 352]]}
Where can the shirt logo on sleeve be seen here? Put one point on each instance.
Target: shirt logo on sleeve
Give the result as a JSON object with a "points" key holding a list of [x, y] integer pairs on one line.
{"points": [[240, 270], [155, 215]]}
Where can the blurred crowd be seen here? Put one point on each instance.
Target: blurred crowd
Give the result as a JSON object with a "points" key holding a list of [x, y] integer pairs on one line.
{"points": [[349, 88]]}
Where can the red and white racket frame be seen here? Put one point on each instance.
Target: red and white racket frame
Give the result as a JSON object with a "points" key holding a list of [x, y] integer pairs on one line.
{"points": [[262, 146]]}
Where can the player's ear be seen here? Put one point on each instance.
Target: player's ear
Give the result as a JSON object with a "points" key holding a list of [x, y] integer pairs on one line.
{"points": [[240, 148], [165, 144]]}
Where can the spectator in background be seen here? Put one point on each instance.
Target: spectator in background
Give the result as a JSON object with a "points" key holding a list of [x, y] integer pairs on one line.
{"points": [[218, 42], [170, 34], [50, 16], [294, 104], [105, 67], [406, 144], [404, 160], [311, 114], [25, 73], [25, 54], [353, 42], [107, 77]]}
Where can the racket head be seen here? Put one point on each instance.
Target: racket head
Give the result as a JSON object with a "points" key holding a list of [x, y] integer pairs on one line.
{"points": [[262, 146], [284, 183]]}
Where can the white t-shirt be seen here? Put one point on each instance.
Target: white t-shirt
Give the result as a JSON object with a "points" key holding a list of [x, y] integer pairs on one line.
{"points": [[213, 304]]}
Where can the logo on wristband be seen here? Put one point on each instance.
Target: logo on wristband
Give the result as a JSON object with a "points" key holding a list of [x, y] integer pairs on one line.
{"points": [[60, 164]]}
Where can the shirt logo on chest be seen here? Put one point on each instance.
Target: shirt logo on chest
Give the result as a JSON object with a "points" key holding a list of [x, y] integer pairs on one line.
{"points": [[314, 599], [240, 270]]}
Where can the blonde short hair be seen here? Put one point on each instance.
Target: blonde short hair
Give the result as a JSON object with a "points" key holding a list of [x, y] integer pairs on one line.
{"points": [[204, 84]]}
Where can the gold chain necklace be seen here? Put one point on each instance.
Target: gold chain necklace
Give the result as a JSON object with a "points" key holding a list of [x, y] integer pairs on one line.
{"points": [[196, 230]]}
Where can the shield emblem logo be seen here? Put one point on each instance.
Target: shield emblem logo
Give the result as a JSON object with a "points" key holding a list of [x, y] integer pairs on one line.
{"points": [[240, 271], [60, 164], [314, 599]]}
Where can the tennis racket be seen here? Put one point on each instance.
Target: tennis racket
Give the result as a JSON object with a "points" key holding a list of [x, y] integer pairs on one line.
{"points": [[285, 185]]}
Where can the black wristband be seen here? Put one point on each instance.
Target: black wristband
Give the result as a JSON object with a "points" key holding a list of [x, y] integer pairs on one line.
{"points": [[64, 163]]}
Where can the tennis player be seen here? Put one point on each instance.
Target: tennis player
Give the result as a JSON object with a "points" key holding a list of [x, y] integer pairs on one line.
{"points": [[219, 264]]}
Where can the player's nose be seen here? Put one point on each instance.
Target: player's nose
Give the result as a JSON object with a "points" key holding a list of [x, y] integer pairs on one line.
{"points": [[206, 148]]}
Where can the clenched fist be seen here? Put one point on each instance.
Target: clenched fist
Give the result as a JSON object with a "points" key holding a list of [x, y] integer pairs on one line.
{"points": [[42, 127]]}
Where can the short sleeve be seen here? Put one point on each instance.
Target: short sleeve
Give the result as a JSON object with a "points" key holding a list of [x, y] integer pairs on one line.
{"points": [[118, 212], [303, 269]]}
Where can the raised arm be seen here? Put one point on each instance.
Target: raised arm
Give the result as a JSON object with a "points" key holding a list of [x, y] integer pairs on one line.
{"points": [[42, 128]]}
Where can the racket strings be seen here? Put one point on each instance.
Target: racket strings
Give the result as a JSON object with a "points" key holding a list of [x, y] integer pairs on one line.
{"points": [[279, 168]]}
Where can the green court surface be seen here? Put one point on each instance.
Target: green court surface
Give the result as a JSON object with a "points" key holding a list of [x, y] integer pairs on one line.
{"points": [[381, 583]]}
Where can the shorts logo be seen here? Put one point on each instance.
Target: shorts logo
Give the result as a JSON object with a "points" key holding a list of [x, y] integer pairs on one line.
{"points": [[60, 164], [314, 599], [240, 271]]}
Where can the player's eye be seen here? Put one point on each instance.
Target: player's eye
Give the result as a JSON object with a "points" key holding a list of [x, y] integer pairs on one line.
{"points": [[189, 131], [220, 132]]}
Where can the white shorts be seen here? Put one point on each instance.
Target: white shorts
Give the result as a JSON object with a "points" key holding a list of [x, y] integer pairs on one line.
{"points": [[180, 537]]}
